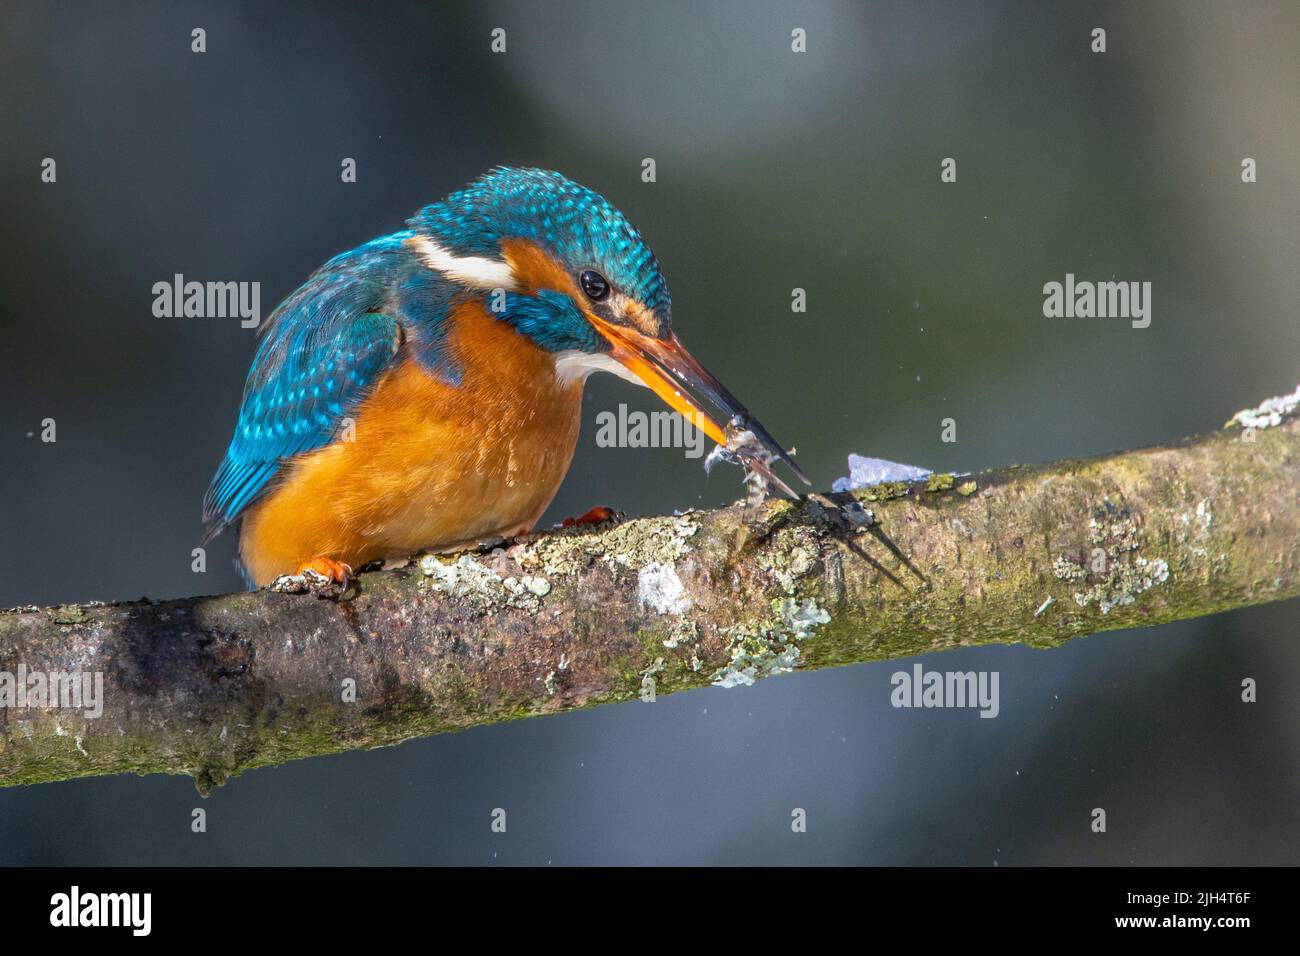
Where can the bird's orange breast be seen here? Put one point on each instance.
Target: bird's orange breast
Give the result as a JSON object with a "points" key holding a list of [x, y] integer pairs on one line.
{"points": [[428, 464]]}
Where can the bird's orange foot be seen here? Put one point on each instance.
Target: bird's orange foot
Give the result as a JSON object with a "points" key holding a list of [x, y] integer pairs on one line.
{"points": [[597, 515], [324, 577]]}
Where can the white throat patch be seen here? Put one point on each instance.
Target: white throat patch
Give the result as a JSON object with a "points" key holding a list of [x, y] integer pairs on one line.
{"points": [[574, 366]]}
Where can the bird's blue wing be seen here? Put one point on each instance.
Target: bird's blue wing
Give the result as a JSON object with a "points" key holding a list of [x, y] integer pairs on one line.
{"points": [[321, 353]]}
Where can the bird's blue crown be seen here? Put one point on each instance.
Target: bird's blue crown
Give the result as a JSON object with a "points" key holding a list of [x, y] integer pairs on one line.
{"points": [[577, 226]]}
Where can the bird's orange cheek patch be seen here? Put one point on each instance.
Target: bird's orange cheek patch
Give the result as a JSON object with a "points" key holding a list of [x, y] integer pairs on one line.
{"points": [[533, 269]]}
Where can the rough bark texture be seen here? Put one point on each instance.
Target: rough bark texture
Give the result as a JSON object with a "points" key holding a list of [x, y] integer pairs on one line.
{"points": [[213, 686]]}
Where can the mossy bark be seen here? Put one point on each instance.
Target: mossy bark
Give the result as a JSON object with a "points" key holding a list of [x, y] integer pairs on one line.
{"points": [[213, 686]]}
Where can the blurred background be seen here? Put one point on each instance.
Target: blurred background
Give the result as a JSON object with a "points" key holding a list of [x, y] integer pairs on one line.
{"points": [[775, 170]]}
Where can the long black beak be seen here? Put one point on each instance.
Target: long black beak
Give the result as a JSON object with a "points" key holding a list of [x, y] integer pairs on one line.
{"points": [[673, 374]]}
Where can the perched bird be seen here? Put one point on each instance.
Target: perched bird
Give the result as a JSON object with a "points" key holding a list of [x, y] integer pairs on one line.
{"points": [[423, 390]]}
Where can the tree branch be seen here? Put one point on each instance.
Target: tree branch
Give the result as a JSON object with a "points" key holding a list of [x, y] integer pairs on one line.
{"points": [[213, 686]]}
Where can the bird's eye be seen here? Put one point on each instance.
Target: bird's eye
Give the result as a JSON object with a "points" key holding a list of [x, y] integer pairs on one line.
{"points": [[594, 285]]}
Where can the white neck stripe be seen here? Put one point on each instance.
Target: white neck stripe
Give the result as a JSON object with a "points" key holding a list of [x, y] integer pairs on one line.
{"points": [[477, 272]]}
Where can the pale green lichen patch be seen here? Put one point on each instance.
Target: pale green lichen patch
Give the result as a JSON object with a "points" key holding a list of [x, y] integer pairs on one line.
{"points": [[1204, 515], [793, 555], [772, 647], [801, 619], [549, 682], [480, 588], [661, 590], [966, 489], [939, 482], [1114, 529], [68, 614], [683, 631], [633, 545], [1268, 413], [1066, 570], [1123, 584], [648, 678], [885, 491], [1111, 574]]}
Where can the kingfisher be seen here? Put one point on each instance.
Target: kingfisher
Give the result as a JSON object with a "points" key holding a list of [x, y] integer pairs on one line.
{"points": [[422, 392]]}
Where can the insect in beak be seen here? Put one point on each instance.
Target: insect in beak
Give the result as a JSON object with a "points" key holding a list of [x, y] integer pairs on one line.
{"points": [[674, 375]]}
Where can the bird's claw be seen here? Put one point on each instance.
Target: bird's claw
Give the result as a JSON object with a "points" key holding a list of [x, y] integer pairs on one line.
{"points": [[323, 577], [289, 584], [597, 515]]}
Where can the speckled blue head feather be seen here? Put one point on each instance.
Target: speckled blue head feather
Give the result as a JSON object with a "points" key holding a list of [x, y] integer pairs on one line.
{"points": [[571, 222]]}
